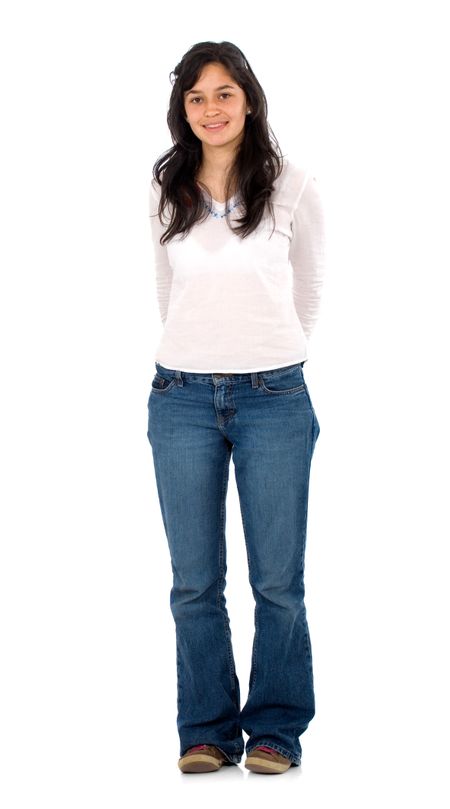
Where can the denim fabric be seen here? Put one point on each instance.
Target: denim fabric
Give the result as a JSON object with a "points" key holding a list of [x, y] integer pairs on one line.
{"points": [[266, 421]]}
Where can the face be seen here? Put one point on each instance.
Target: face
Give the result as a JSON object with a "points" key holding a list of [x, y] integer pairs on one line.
{"points": [[210, 102]]}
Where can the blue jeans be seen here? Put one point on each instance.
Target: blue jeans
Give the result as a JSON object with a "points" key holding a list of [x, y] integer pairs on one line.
{"points": [[266, 420]]}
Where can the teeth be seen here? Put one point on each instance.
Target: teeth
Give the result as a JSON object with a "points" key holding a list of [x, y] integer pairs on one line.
{"points": [[214, 126]]}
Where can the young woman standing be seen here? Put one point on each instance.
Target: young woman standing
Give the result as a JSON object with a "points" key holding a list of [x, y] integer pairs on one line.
{"points": [[238, 236]]}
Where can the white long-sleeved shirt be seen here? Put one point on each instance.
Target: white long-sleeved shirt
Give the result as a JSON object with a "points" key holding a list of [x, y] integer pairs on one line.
{"points": [[242, 305]]}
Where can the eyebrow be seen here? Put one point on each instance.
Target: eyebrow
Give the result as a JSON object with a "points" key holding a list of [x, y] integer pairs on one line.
{"points": [[222, 87]]}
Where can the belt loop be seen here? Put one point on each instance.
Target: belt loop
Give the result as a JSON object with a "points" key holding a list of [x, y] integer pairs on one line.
{"points": [[255, 379], [179, 378]]}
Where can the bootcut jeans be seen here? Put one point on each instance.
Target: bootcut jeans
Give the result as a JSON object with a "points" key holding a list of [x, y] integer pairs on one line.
{"points": [[266, 421]]}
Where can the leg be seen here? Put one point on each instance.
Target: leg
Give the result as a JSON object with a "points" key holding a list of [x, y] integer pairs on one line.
{"points": [[272, 455], [191, 461]]}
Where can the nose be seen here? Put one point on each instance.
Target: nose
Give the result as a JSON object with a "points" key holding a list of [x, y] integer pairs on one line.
{"points": [[210, 107]]}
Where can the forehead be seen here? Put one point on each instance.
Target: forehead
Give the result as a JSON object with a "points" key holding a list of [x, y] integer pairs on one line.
{"points": [[213, 75]]}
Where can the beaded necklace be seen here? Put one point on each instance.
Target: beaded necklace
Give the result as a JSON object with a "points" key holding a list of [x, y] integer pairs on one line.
{"points": [[220, 215]]}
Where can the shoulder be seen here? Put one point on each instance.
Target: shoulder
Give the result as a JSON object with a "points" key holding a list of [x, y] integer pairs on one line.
{"points": [[154, 195], [154, 200], [291, 183], [299, 192]]}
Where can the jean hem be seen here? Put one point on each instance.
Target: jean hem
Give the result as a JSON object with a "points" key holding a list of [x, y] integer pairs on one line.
{"points": [[295, 760], [232, 758]]}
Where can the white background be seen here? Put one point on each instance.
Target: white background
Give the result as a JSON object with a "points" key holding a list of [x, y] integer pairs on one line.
{"points": [[359, 92]]}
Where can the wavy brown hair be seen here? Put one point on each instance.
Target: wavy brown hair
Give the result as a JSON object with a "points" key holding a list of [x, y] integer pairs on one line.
{"points": [[258, 160]]}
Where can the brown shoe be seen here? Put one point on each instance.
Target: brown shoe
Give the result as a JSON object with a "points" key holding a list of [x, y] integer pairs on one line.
{"points": [[264, 759], [202, 758]]}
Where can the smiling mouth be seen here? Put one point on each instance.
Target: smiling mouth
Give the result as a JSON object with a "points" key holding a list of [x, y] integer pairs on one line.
{"points": [[218, 125]]}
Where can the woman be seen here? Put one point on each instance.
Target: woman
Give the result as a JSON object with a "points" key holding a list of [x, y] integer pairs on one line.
{"points": [[239, 260]]}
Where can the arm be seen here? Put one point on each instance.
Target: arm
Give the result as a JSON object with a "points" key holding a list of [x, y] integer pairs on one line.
{"points": [[163, 269], [307, 254]]}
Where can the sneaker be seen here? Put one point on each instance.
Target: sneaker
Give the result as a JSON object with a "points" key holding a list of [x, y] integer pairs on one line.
{"points": [[202, 758], [264, 759]]}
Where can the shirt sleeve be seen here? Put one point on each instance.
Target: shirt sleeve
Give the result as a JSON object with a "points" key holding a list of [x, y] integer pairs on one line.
{"points": [[307, 254], [163, 270]]}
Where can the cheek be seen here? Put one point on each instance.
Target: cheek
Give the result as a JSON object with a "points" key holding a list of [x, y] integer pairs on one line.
{"points": [[240, 111], [193, 115]]}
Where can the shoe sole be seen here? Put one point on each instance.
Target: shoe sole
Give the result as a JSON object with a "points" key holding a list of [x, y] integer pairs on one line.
{"points": [[262, 765], [199, 762]]}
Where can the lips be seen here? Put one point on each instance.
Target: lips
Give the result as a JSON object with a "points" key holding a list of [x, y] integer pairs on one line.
{"points": [[216, 125]]}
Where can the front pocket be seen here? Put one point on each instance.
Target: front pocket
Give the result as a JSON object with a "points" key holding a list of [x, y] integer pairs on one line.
{"points": [[291, 381], [161, 385]]}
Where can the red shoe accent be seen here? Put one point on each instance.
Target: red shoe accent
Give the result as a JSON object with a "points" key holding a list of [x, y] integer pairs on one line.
{"points": [[267, 749]]}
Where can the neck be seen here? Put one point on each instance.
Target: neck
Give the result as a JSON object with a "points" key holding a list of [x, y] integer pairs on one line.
{"points": [[216, 161]]}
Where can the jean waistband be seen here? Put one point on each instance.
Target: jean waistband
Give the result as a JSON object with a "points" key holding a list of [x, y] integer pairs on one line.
{"points": [[234, 375]]}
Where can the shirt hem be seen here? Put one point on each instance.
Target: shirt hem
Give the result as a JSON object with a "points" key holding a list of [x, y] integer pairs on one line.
{"points": [[217, 370]]}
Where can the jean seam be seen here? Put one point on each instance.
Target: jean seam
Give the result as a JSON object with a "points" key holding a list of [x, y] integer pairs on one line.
{"points": [[256, 637], [221, 578]]}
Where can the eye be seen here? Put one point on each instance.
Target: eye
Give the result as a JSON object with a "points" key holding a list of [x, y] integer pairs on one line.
{"points": [[197, 98]]}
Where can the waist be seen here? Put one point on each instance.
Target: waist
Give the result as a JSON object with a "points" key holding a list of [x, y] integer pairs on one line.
{"points": [[237, 376]]}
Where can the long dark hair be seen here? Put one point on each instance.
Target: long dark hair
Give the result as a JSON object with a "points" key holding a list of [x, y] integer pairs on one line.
{"points": [[258, 161]]}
